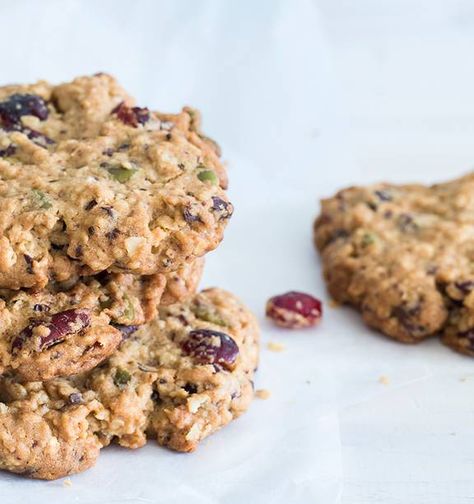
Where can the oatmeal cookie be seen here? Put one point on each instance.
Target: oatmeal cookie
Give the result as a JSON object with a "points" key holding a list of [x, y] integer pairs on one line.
{"points": [[178, 379], [404, 256], [89, 182], [65, 329]]}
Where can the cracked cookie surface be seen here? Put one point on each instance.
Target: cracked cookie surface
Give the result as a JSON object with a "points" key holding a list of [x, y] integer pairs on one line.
{"points": [[178, 379], [404, 256], [89, 182], [65, 329]]}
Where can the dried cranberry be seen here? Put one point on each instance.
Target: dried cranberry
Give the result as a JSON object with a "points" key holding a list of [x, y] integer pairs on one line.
{"points": [[408, 316], [465, 286], [29, 263], [383, 195], [407, 223], [294, 310], [337, 234], [59, 325], [41, 308], [224, 208], [18, 105], [9, 151], [37, 137], [126, 330], [112, 234], [468, 336], [90, 205], [131, 116], [211, 347], [190, 388], [75, 398], [189, 217]]}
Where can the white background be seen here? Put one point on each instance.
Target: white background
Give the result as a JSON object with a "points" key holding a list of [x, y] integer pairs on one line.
{"points": [[304, 98]]}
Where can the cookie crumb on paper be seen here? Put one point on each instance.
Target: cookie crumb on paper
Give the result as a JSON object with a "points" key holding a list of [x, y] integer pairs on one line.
{"points": [[273, 346], [334, 304], [384, 380], [263, 394]]}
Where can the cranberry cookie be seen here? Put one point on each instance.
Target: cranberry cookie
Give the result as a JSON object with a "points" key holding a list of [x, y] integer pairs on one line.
{"points": [[404, 256], [64, 329], [90, 182], [178, 379]]}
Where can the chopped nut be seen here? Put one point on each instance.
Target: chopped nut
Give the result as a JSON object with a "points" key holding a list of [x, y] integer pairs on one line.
{"points": [[133, 244], [195, 402], [193, 433]]}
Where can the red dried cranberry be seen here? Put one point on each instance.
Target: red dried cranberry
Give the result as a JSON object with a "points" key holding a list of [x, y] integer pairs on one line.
{"points": [[126, 330], [18, 105], [131, 116], [224, 208], [211, 347], [60, 325], [9, 151], [465, 286], [75, 398], [189, 217], [37, 137], [294, 310]]}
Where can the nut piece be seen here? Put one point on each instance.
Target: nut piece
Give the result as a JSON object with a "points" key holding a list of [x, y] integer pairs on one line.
{"points": [[294, 310]]}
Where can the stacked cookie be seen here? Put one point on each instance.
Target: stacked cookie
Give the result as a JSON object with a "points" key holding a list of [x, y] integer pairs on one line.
{"points": [[106, 210]]}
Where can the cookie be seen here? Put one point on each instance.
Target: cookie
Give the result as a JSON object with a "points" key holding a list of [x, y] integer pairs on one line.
{"points": [[63, 330], [178, 379], [403, 255], [89, 182]]}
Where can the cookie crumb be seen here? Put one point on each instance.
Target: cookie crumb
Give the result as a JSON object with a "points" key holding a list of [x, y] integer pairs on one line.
{"points": [[262, 394], [384, 380], [67, 482], [275, 347], [333, 303]]}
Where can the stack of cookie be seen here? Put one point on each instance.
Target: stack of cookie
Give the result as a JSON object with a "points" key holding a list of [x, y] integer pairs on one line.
{"points": [[106, 210]]}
